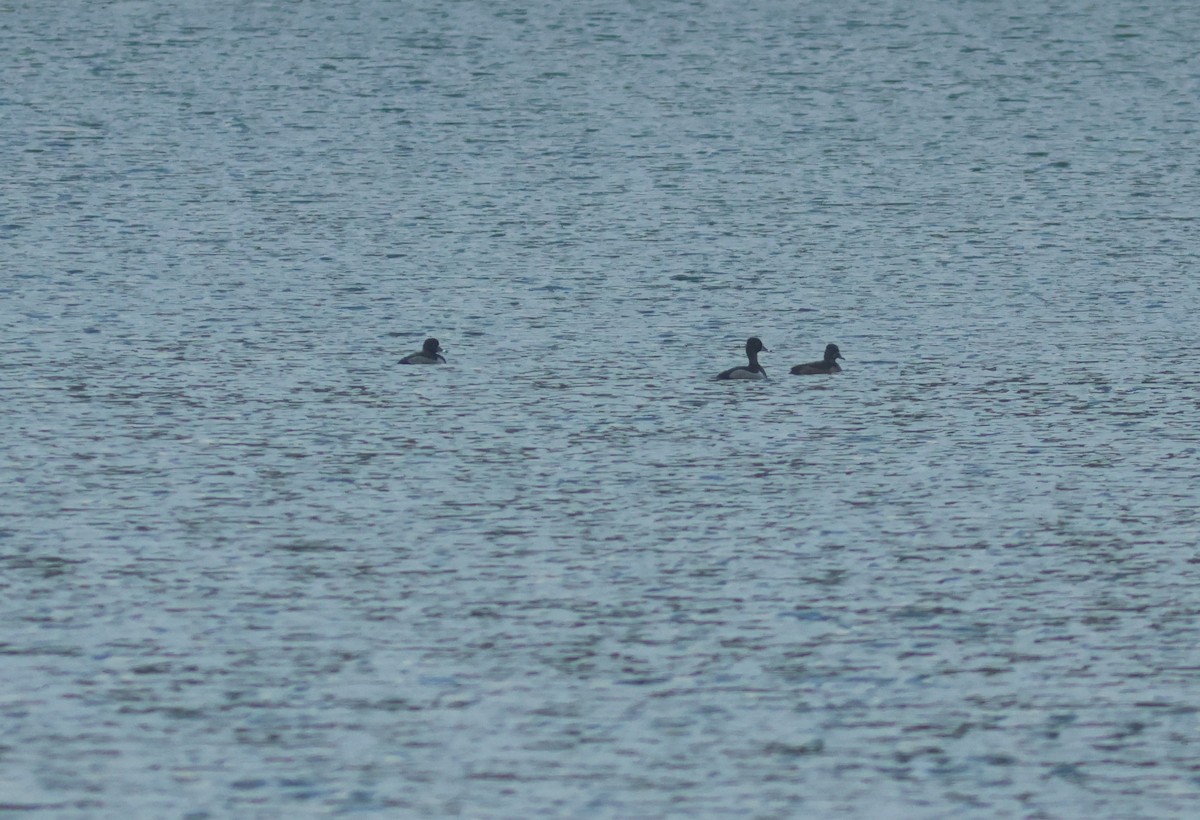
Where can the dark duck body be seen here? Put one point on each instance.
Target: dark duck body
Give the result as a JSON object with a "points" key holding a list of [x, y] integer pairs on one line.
{"points": [[826, 365], [754, 370], [430, 353]]}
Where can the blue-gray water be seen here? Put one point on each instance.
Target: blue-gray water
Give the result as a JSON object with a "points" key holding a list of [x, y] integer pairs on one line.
{"points": [[250, 567]]}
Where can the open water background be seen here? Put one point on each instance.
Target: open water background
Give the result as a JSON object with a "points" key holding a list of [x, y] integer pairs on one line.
{"points": [[249, 567]]}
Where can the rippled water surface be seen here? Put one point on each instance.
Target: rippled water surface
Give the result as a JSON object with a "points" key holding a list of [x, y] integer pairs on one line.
{"points": [[251, 567]]}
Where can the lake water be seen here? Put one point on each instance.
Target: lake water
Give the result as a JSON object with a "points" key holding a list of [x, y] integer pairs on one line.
{"points": [[251, 567]]}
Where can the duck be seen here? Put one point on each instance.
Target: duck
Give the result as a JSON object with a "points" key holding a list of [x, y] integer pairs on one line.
{"points": [[430, 353], [755, 370], [827, 365]]}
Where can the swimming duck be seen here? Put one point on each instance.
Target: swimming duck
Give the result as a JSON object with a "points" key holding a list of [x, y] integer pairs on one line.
{"points": [[755, 370], [430, 353], [826, 365]]}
